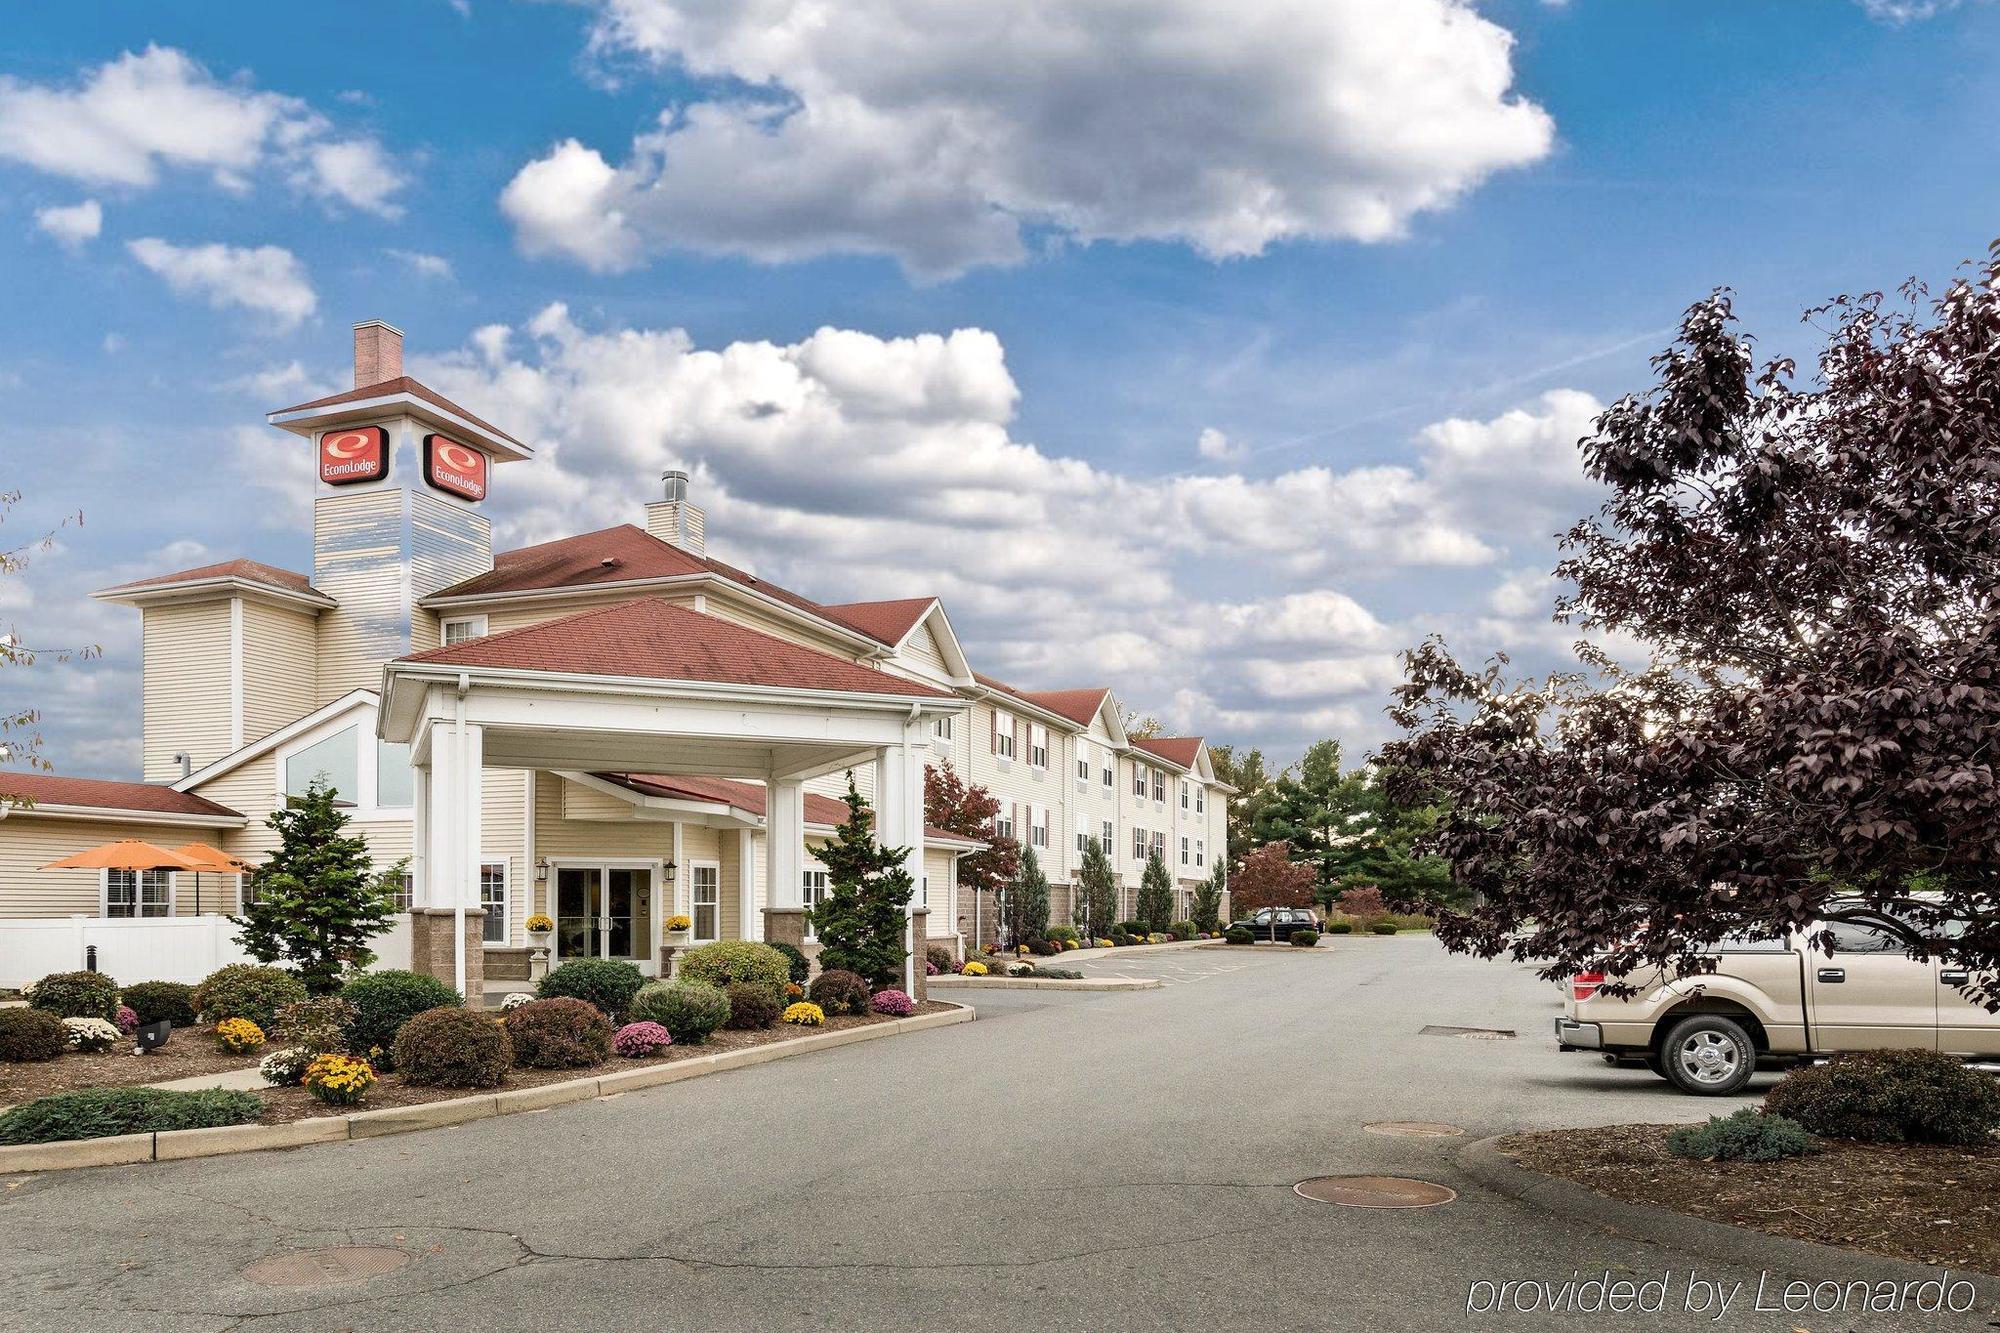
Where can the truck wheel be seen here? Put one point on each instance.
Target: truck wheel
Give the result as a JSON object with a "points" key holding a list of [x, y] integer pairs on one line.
{"points": [[1709, 1055]]}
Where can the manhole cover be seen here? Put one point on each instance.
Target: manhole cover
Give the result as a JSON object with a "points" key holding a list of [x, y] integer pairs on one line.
{"points": [[1374, 1191], [1414, 1129], [326, 1268], [1471, 1034]]}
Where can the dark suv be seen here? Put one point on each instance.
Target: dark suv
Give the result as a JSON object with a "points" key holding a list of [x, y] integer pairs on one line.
{"points": [[1277, 923]]}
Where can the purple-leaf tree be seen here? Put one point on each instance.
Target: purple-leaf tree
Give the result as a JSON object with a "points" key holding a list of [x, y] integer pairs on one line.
{"points": [[1813, 569]]}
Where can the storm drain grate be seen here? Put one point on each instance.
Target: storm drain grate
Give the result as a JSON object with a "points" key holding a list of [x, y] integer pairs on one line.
{"points": [[1470, 1034], [1414, 1129], [1374, 1191], [328, 1267]]}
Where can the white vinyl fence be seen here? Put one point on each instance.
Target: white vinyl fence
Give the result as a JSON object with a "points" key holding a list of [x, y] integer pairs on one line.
{"points": [[175, 948]]}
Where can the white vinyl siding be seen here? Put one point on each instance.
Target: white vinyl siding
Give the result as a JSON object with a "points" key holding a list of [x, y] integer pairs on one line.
{"points": [[280, 667], [185, 686]]}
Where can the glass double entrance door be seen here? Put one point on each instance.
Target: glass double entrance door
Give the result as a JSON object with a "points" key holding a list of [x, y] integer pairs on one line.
{"points": [[604, 912]]}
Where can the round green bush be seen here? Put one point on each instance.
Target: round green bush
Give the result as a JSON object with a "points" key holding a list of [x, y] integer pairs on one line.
{"points": [[736, 960], [31, 1035], [1747, 1136], [560, 1033], [454, 1048], [1067, 934], [1186, 930], [384, 1001], [245, 990], [75, 995], [1384, 927], [1891, 1097], [1340, 927], [605, 982], [1304, 938], [937, 955], [1239, 935], [753, 1004], [840, 992], [161, 1002], [800, 969], [99, 1113], [688, 1010]]}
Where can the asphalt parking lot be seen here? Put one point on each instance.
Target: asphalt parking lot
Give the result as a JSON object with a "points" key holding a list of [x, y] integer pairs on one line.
{"points": [[1069, 1161]]}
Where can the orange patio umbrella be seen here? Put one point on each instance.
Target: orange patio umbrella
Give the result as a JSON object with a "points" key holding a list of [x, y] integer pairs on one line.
{"points": [[212, 860], [124, 854]]}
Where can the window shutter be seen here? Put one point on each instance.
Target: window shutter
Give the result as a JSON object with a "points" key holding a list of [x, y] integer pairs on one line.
{"points": [[993, 731]]}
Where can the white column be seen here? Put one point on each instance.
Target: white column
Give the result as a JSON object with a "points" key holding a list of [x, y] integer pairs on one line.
{"points": [[784, 845], [749, 925], [449, 805], [899, 822]]}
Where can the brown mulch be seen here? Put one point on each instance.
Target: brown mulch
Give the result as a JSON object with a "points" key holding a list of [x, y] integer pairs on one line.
{"points": [[188, 1052], [1931, 1204], [287, 1104]]}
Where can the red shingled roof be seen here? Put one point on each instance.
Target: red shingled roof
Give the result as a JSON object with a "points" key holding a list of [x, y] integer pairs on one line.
{"points": [[101, 794], [255, 571], [887, 621], [632, 553], [404, 384], [1174, 749], [655, 639], [1079, 706], [747, 797]]}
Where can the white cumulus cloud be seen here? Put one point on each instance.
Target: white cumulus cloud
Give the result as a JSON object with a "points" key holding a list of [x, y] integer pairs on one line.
{"points": [[126, 121], [267, 279], [935, 133], [73, 225]]}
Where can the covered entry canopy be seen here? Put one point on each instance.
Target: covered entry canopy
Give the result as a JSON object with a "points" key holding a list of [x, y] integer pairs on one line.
{"points": [[649, 687]]}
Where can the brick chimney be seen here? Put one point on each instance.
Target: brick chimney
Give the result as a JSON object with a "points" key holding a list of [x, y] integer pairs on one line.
{"points": [[378, 353], [674, 519]]}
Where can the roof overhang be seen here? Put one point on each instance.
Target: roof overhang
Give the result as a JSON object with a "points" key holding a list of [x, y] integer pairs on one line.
{"points": [[402, 403], [1014, 703], [100, 814], [210, 589]]}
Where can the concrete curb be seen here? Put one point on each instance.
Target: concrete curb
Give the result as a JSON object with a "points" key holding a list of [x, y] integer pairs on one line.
{"points": [[1130, 950], [1044, 983], [1717, 1242], [176, 1144]]}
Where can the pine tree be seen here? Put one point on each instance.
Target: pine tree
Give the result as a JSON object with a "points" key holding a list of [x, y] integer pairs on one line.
{"points": [[1096, 892], [1208, 898], [862, 921], [1156, 894], [1028, 901], [319, 899]]}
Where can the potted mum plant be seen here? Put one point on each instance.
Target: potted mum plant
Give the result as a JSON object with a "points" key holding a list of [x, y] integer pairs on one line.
{"points": [[678, 926], [539, 928]]}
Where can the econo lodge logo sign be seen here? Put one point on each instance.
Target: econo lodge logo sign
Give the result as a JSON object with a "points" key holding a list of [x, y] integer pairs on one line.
{"points": [[454, 468], [348, 456]]}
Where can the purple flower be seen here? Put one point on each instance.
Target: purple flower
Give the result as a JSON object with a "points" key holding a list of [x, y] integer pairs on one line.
{"points": [[635, 1041], [128, 1019], [930, 969], [894, 1002]]}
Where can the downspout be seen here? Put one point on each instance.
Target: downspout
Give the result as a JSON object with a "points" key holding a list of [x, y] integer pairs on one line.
{"points": [[458, 887]]}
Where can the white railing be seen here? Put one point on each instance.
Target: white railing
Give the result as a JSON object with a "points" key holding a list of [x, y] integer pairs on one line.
{"points": [[176, 948]]}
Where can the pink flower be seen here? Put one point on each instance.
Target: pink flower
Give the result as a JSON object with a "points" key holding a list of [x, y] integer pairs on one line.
{"points": [[930, 969], [128, 1019], [636, 1041], [894, 1002]]}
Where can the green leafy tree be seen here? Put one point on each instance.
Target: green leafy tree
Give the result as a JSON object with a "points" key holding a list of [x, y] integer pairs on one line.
{"points": [[1028, 901], [1309, 810], [1208, 898], [1347, 826], [1097, 892], [1156, 894], [318, 900], [1247, 773], [862, 920]]}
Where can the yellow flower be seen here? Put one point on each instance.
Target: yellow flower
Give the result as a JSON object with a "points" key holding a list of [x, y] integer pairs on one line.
{"points": [[805, 1014], [238, 1035], [973, 970], [540, 922], [340, 1079]]}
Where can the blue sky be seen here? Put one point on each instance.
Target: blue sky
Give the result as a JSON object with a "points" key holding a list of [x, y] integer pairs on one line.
{"points": [[1212, 360]]}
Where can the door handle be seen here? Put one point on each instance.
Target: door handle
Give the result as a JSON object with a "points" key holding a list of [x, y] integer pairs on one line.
{"points": [[1833, 974], [1954, 976]]}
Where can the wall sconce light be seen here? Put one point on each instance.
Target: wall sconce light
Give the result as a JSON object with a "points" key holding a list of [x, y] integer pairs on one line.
{"points": [[672, 870], [542, 870]]}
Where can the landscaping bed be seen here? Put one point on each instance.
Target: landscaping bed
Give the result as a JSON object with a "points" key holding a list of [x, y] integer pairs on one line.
{"points": [[1922, 1202], [190, 1051], [282, 1105]]}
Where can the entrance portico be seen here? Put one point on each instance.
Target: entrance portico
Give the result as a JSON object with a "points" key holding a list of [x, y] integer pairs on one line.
{"points": [[682, 693]]}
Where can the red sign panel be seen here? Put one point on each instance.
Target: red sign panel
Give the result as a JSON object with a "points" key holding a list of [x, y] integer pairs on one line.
{"points": [[348, 456], [455, 468]]}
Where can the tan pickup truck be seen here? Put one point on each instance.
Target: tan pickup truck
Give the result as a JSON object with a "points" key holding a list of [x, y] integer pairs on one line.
{"points": [[1777, 1000]]}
